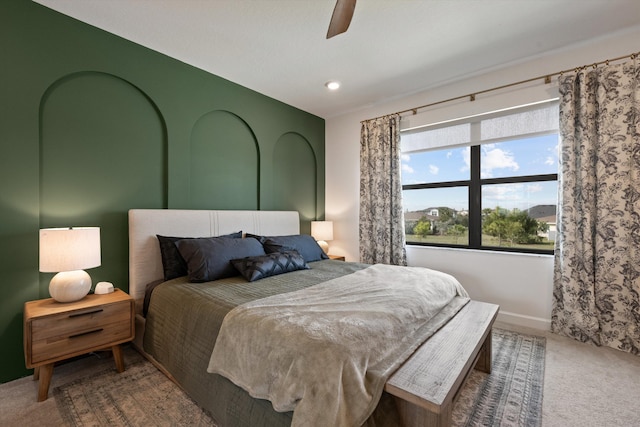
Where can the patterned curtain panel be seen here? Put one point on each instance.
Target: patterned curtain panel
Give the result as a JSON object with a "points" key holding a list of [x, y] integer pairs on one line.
{"points": [[382, 237], [597, 256]]}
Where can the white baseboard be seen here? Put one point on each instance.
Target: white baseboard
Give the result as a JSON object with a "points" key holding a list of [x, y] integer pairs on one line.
{"points": [[523, 320]]}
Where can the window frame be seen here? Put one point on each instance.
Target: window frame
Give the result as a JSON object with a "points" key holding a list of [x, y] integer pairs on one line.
{"points": [[474, 187]]}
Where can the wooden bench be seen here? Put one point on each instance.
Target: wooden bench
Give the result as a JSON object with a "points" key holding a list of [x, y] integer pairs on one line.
{"points": [[427, 384]]}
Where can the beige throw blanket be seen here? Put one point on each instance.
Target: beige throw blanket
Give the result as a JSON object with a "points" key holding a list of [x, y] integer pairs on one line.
{"points": [[326, 351]]}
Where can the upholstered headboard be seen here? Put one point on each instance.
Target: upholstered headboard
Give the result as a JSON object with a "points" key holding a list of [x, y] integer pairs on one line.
{"points": [[145, 264]]}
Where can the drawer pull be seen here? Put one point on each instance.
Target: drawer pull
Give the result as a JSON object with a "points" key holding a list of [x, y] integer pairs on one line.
{"points": [[85, 333], [86, 313]]}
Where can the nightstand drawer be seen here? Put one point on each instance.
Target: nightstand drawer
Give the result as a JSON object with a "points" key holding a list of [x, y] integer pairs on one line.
{"points": [[75, 321], [74, 331]]}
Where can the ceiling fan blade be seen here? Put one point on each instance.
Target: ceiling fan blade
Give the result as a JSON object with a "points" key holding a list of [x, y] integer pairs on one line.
{"points": [[341, 18]]}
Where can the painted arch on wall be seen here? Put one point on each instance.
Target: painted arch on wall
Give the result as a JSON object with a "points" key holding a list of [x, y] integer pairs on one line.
{"points": [[295, 176], [224, 165], [103, 151]]}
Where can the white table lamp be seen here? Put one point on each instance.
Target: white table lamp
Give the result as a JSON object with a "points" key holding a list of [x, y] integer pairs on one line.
{"points": [[68, 251], [322, 231]]}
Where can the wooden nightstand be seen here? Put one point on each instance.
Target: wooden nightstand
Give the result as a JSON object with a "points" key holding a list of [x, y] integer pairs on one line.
{"points": [[337, 257], [55, 331]]}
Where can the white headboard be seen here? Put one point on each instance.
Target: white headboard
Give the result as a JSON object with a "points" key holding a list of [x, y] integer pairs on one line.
{"points": [[145, 264]]}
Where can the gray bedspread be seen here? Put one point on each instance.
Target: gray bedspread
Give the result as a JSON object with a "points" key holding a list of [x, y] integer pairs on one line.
{"points": [[183, 323], [326, 351]]}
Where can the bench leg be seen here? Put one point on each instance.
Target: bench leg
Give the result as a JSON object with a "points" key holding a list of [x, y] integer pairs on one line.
{"points": [[484, 357], [417, 416]]}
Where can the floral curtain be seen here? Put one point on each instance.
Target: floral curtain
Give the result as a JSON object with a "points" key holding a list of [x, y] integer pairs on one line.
{"points": [[382, 238], [597, 257]]}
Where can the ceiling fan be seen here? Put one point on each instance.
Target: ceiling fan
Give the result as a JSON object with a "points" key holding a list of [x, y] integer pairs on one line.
{"points": [[341, 18]]}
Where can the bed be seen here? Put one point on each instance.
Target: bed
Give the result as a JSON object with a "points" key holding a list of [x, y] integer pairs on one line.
{"points": [[185, 319]]}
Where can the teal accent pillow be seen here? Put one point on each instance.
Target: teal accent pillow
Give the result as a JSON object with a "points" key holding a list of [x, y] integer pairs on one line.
{"points": [[259, 267], [210, 258]]}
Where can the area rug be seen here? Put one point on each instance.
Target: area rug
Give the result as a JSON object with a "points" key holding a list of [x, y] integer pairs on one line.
{"points": [[512, 395], [142, 396]]}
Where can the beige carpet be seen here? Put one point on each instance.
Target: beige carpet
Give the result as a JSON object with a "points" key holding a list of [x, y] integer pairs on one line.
{"points": [[587, 386], [583, 386]]}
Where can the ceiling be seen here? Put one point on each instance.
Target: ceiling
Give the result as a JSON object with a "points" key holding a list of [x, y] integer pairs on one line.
{"points": [[392, 48]]}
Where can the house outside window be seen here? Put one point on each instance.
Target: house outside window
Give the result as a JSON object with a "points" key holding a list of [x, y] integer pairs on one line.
{"points": [[484, 182]]}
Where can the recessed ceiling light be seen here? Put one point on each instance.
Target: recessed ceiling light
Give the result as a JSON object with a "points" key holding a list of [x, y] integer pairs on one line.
{"points": [[332, 85]]}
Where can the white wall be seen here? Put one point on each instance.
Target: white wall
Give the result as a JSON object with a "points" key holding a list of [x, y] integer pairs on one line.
{"points": [[520, 283]]}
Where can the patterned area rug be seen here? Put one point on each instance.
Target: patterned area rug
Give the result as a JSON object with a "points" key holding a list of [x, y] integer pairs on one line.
{"points": [[142, 396], [512, 395]]}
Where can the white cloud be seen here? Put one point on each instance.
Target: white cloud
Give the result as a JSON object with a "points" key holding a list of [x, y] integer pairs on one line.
{"points": [[550, 161], [496, 158], [506, 196], [406, 168], [534, 188], [433, 169], [449, 154], [502, 192], [521, 195]]}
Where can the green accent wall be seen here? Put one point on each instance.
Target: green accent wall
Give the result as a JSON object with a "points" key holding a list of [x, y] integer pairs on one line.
{"points": [[92, 125]]}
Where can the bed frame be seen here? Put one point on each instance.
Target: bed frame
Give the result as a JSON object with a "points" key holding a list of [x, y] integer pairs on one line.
{"points": [[424, 387]]}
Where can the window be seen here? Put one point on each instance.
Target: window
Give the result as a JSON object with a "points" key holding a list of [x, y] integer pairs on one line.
{"points": [[486, 182]]}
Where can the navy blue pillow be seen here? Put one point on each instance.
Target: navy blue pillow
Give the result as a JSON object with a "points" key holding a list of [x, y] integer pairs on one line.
{"points": [[173, 264], [259, 238], [210, 258], [259, 267], [303, 243]]}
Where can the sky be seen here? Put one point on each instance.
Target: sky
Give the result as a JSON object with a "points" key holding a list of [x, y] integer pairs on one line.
{"points": [[527, 156]]}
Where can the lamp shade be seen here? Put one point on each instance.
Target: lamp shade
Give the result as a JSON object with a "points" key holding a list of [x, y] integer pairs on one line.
{"points": [[69, 249], [322, 230]]}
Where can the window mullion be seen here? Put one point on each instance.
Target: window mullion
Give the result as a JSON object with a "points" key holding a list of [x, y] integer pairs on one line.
{"points": [[475, 197]]}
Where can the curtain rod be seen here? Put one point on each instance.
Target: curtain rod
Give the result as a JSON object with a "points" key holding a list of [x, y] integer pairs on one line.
{"points": [[472, 96]]}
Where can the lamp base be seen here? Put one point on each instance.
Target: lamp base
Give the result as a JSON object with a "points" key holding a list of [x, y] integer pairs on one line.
{"points": [[68, 286], [324, 246]]}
